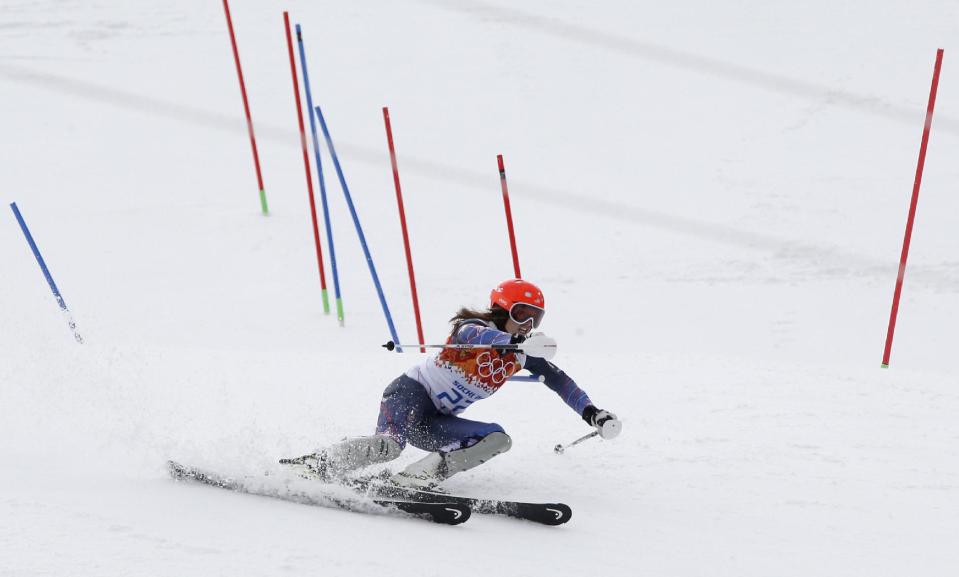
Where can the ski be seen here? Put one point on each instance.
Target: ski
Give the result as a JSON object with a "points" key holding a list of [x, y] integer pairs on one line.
{"points": [[378, 486], [448, 513], [544, 513]]}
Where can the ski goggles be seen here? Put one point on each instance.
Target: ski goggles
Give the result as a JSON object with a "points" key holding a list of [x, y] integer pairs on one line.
{"points": [[522, 313]]}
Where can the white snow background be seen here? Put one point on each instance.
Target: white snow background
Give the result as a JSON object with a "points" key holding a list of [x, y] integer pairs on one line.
{"points": [[712, 196]]}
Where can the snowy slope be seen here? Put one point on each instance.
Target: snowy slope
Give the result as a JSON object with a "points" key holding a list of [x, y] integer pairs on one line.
{"points": [[712, 196]]}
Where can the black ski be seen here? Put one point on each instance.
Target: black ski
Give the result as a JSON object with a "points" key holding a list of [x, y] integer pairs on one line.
{"points": [[446, 512], [545, 513]]}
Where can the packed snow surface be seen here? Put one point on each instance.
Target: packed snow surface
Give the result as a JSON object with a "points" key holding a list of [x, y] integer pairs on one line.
{"points": [[711, 195]]}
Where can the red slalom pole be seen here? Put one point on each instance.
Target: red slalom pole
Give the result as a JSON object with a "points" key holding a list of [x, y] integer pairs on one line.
{"points": [[912, 210], [509, 214], [246, 108], [306, 164], [406, 238]]}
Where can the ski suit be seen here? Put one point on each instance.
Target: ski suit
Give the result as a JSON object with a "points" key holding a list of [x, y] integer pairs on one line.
{"points": [[421, 406]]}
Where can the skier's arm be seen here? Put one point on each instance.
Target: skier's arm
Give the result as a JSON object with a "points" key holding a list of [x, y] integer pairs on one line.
{"points": [[470, 333], [560, 382], [605, 422]]}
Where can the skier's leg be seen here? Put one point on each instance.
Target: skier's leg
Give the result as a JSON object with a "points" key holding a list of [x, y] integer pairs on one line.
{"points": [[457, 444], [354, 453], [405, 405], [402, 404]]}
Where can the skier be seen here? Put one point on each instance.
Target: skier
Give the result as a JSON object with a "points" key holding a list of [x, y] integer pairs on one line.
{"points": [[421, 407]]}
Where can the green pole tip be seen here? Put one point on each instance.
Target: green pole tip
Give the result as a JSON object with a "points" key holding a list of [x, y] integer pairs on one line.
{"points": [[326, 302], [263, 206], [339, 312], [885, 366]]}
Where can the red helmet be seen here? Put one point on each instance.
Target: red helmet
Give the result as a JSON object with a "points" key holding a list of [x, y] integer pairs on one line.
{"points": [[522, 299]]}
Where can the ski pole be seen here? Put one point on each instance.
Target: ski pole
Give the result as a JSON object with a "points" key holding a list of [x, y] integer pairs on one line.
{"points": [[541, 346], [390, 345], [559, 449]]}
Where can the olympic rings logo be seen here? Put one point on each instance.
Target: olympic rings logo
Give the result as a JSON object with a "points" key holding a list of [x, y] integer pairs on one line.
{"points": [[494, 369]]}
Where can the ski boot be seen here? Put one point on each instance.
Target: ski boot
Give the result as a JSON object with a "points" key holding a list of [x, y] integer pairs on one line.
{"points": [[427, 473], [335, 462]]}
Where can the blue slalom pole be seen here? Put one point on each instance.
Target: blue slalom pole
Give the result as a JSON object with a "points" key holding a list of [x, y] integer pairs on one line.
{"points": [[356, 222], [46, 272], [319, 172]]}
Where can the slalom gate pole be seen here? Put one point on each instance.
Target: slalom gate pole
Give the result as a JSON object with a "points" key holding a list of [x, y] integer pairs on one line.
{"points": [[246, 109], [509, 214], [912, 210], [319, 175], [356, 223], [306, 164], [46, 272], [406, 239]]}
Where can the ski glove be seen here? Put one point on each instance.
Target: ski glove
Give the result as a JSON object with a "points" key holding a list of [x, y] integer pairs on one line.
{"points": [[514, 340], [605, 422], [540, 345]]}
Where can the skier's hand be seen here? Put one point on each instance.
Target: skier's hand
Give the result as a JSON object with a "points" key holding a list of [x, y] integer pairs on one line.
{"points": [[540, 345], [514, 340], [605, 422]]}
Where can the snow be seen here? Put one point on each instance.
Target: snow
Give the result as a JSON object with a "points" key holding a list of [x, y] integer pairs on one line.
{"points": [[711, 195]]}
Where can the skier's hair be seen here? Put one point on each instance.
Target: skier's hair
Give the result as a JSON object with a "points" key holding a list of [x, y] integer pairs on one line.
{"points": [[497, 314]]}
